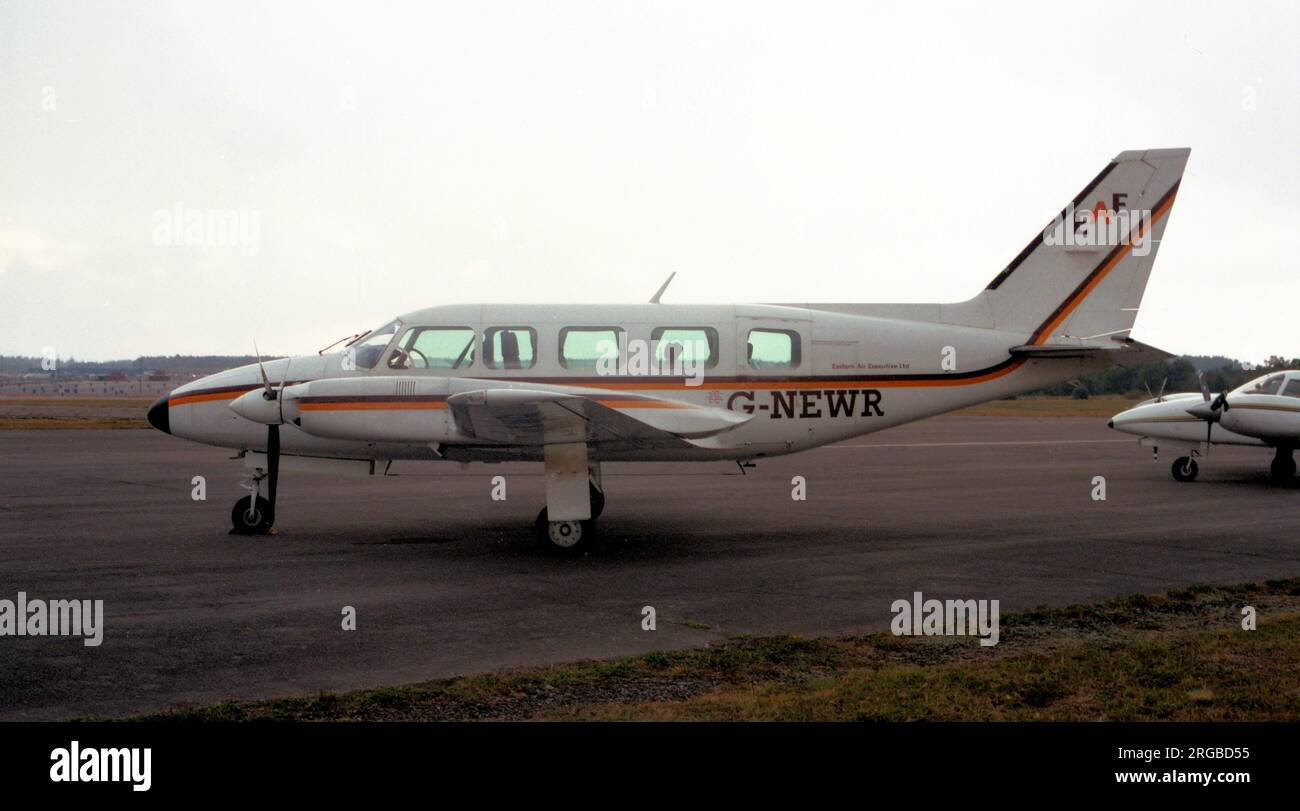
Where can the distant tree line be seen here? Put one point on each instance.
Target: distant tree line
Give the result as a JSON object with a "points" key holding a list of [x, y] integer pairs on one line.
{"points": [[1221, 374], [19, 364]]}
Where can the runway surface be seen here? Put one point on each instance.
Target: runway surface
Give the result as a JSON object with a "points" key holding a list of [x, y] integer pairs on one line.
{"points": [[446, 581]]}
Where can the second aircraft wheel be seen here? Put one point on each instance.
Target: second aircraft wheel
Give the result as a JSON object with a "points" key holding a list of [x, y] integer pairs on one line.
{"points": [[252, 519], [1185, 469]]}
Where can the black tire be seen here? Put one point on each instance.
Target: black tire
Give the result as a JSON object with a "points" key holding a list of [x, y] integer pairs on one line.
{"points": [[597, 503], [258, 523], [1185, 469], [1283, 469], [564, 537]]}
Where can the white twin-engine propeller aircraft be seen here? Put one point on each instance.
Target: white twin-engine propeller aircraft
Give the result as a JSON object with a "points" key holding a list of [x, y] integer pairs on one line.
{"points": [[1264, 413], [572, 386]]}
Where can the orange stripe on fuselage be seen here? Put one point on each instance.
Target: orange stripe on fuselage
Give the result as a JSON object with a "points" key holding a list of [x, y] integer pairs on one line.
{"points": [[187, 399], [378, 405]]}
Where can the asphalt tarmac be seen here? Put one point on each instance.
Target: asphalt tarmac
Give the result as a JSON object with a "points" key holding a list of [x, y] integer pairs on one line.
{"points": [[445, 581]]}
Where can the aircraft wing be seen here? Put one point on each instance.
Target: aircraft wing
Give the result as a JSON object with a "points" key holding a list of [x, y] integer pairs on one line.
{"points": [[537, 417], [466, 411]]}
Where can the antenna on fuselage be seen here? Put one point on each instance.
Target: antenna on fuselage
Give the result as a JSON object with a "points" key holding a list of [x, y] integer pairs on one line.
{"points": [[655, 298]]}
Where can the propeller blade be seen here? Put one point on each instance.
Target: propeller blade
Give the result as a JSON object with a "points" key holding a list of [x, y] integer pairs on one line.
{"points": [[1205, 388], [272, 462], [1150, 396], [267, 391], [1161, 396]]}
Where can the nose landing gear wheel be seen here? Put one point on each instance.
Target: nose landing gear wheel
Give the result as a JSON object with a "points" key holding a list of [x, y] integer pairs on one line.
{"points": [[1185, 469], [251, 518], [1283, 469], [564, 537]]}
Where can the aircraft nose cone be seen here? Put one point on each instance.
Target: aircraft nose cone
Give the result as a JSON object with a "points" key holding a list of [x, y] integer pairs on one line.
{"points": [[158, 416]]}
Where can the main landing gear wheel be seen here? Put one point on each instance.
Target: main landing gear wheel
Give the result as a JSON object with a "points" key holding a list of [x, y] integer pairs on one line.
{"points": [[597, 503], [1283, 468], [565, 537], [251, 518], [1185, 469]]}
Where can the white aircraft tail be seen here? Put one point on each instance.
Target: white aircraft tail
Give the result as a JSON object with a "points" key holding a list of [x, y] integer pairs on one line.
{"points": [[1084, 274]]}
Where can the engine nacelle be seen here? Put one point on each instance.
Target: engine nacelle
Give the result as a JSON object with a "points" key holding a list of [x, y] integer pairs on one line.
{"points": [[258, 407], [372, 409]]}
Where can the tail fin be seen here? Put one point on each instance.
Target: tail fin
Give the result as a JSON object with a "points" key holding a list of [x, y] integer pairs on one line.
{"points": [[1084, 275]]}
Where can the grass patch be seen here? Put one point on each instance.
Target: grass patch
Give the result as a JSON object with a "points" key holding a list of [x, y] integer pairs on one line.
{"points": [[1175, 656], [54, 413], [17, 423], [1189, 676]]}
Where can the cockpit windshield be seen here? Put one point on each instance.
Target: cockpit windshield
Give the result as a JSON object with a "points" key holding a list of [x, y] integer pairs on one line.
{"points": [[367, 349], [1268, 384]]}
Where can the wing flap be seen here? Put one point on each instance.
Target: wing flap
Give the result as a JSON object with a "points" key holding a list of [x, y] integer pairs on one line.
{"points": [[542, 417]]}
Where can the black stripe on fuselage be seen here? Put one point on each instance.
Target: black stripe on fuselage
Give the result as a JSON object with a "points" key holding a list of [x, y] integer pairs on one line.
{"points": [[1033, 243]]}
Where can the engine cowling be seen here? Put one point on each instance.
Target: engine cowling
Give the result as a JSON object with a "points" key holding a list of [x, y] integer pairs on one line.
{"points": [[372, 409]]}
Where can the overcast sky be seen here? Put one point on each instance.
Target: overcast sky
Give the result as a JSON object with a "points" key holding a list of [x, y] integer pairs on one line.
{"points": [[381, 158]]}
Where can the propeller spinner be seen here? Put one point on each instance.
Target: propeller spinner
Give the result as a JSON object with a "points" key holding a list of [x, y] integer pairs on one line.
{"points": [[1210, 410]]}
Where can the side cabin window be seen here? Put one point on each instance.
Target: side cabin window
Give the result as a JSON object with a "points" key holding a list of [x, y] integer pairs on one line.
{"points": [[769, 349], [434, 348], [509, 347], [583, 347], [685, 346], [1292, 388]]}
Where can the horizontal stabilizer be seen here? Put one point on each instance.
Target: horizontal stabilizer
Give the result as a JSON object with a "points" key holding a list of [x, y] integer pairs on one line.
{"points": [[1056, 351], [1121, 352]]}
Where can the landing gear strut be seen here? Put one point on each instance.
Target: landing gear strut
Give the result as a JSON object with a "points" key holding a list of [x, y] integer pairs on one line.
{"points": [[574, 499], [1283, 467], [252, 514]]}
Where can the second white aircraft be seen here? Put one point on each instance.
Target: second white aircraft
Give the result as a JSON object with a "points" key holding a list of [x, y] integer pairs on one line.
{"points": [[1263, 413]]}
